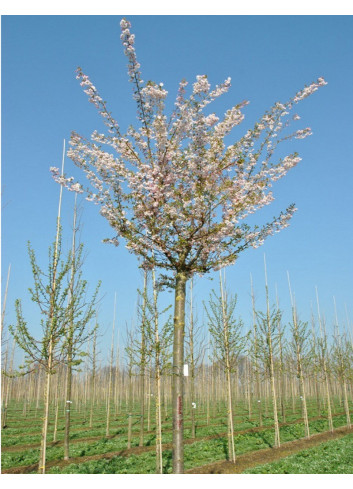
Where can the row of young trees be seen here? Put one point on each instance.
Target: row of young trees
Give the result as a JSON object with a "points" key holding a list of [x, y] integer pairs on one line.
{"points": [[60, 292], [179, 196], [266, 367]]}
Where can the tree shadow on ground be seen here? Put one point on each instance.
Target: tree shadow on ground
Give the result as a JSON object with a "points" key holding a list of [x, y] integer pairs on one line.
{"points": [[149, 442], [265, 438]]}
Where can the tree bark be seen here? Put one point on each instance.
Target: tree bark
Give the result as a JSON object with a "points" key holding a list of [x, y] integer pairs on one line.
{"points": [[56, 410], [178, 378], [346, 406], [192, 364], [68, 405], [143, 362], [43, 445], [129, 429]]}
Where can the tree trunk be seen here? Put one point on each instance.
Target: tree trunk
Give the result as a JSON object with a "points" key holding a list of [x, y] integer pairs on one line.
{"points": [[328, 397], [8, 385], [68, 406], [43, 445], [110, 372], [192, 364], [159, 460], [93, 378], [346, 407], [56, 410], [178, 379], [143, 361], [149, 400], [231, 447], [305, 411], [38, 389], [256, 364], [272, 369], [249, 386], [129, 432]]}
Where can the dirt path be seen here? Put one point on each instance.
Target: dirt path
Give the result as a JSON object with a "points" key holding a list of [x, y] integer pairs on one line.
{"points": [[267, 455]]}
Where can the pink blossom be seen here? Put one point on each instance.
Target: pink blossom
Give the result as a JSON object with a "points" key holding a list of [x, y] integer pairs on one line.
{"points": [[171, 186]]}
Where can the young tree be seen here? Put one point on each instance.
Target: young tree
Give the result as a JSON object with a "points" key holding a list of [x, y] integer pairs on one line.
{"points": [[8, 374], [268, 346], [143, 360], [254, 352], [159, 341], [323, 360], [130, 351], [195, 352], [93, 359], [80, 312], [315, 367], [50, 293], [110, 381], [299, 344], [341, 353], [228, 343], [281, 344], [149, 342], [174, 188]]}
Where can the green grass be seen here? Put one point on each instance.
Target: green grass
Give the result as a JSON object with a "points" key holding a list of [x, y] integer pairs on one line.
{"points": [[201, 452], [333, 457], [197, 454], [27, 431]]}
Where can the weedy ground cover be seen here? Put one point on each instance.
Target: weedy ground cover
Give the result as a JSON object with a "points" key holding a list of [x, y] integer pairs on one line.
{"points": [[333, 457], [26, 434], [196, 454]]}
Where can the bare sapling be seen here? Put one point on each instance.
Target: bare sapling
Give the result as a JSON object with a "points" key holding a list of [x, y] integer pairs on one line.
{"points": [[282, 370], [342, 361], [228, 343], [8, 375], [154, 348], [80, 313], [143, 361], [93, 373], [299, 344], [50, 298], [194, 355], [138, 356], [254, 351], [110, 381], [56, 406], [160, 341], [130, 350], [47, 352], [268, 346], [323, 361], [315, 364], [149, 395], [117, 390], [6, 379]]}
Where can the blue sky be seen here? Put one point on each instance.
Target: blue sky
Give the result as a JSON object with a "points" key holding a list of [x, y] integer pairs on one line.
{"points": [[269, 58]]}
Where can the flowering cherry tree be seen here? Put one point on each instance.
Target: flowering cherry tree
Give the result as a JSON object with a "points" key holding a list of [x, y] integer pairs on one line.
{"points": [[173, 189]]}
